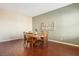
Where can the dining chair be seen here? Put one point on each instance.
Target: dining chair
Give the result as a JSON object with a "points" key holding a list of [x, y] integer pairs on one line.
{"points": [[30, 40], [25, 39]]}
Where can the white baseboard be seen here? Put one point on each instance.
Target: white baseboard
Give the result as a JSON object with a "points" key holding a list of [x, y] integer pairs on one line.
{"points": [[8, 40], [70, 44]]}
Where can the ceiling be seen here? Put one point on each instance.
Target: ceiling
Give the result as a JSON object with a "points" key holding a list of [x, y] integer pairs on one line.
{"points": [[32, 9]]}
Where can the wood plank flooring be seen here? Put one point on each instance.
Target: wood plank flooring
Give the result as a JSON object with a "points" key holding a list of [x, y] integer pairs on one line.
{"points": [[16, 48]]}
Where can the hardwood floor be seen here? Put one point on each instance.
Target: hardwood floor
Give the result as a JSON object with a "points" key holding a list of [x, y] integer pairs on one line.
{"points": [[16, 48]]}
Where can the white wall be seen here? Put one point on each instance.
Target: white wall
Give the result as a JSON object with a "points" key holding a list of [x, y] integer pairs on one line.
{"points": [[12, 25]]}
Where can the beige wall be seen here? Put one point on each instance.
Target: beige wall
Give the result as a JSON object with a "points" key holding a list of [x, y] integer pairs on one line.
{"points": [[12, 25]]}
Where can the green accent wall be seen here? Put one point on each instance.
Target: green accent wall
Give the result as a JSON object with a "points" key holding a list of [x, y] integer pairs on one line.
{"points": [[66, 21]]}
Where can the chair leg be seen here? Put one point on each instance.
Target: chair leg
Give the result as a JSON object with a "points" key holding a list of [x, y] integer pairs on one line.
{"points": [[28, 44], [25, 44]]}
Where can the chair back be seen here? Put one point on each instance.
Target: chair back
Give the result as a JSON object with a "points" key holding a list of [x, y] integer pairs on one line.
{"points": [[29, 36], [24, 33]]}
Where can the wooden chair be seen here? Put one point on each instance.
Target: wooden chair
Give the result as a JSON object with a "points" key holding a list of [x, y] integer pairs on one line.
{"points": [[39, 43], [25, 39], [45, 36], [30, 40]]}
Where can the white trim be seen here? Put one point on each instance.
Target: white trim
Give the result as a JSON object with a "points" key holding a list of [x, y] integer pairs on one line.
{"points": [[64, 43], [10, 40]]}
